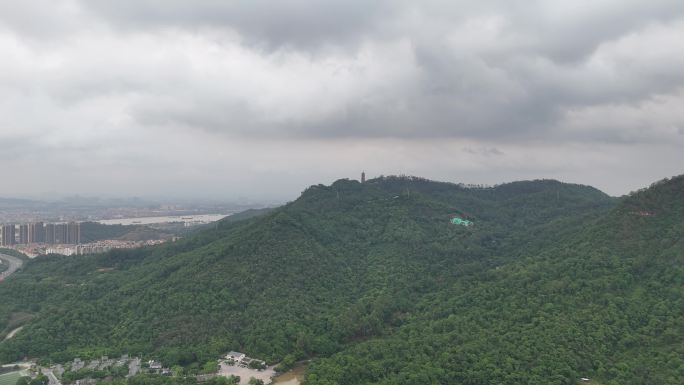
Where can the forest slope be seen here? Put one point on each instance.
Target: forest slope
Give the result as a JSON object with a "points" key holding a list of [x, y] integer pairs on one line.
{"points": [[374, 280]]}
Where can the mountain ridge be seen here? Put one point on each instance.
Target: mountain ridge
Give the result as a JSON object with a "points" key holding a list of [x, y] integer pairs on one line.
{"points": [[348, 265]]}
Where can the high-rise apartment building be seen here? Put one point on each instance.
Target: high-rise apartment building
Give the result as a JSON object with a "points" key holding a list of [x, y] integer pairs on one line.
{"points": [[61, 233], [50, 233], [39, 232], [36, 233], [73, 233], [23, 234], [8, 235]]}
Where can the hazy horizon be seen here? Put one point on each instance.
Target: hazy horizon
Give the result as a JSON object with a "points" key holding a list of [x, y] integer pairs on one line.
{"points": [[246, 200], [259, 100]]}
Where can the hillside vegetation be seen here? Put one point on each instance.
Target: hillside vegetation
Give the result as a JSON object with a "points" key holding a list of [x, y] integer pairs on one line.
{"points": [[552, 283]]}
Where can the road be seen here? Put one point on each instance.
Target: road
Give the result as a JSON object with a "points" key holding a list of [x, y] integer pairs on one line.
{"points": [[51, 376], [14, 264], [13, 332], [22, 365], [133, 367]]}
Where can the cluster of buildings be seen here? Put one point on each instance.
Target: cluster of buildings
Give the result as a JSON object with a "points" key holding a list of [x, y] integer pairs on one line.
{"points": [[82, 372], [66, 373], [241, 359], [157, 368], [98, 247], [99, 364], [39, 232]]}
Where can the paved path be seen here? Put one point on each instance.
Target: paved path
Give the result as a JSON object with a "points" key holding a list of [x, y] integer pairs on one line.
{"points": [[13, 332], [23, 365], [133, 367], [51, 376], [14, 264]]}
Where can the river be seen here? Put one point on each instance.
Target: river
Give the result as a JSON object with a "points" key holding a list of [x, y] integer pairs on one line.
{"points": [[190, 219]]}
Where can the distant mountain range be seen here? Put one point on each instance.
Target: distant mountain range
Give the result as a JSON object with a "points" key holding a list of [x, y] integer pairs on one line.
{"points": [[553, 282]]}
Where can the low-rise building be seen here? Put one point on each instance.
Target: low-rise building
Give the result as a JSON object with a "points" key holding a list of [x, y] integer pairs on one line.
{"points": [[236, 357]]}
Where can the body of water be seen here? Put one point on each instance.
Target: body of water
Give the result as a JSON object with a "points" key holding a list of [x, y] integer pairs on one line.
{"points": [[294, 376], [188, 219]]}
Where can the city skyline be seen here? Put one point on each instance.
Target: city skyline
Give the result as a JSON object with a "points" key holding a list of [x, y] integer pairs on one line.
{"points": [[65, 233]]}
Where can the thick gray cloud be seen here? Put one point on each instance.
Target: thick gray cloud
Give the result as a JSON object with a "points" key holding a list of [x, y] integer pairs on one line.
{"points": [[150, 97], [267, 24]]}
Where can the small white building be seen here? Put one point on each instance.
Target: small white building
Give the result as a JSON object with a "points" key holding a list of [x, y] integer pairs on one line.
{"points": [[235, 356], [154, 364]]}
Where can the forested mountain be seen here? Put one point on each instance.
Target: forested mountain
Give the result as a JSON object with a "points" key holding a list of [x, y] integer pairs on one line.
{"points": [[553, 282]]}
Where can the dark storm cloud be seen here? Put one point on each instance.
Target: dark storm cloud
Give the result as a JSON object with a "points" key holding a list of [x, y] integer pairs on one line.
{"points": [[564, 31], [495, 69], [526, 88]]}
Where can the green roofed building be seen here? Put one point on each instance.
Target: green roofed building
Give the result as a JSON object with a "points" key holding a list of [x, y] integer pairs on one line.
{"points": [[461, 221]]}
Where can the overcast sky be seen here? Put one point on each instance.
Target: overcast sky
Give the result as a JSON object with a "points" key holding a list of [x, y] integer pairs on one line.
{"points": [[255, 98]]}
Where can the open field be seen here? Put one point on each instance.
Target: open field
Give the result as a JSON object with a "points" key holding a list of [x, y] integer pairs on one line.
{"points": [[10, 378]]}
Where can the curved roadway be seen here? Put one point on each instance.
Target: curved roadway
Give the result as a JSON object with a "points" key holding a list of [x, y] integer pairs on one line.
{"points": [[14, 264]]}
